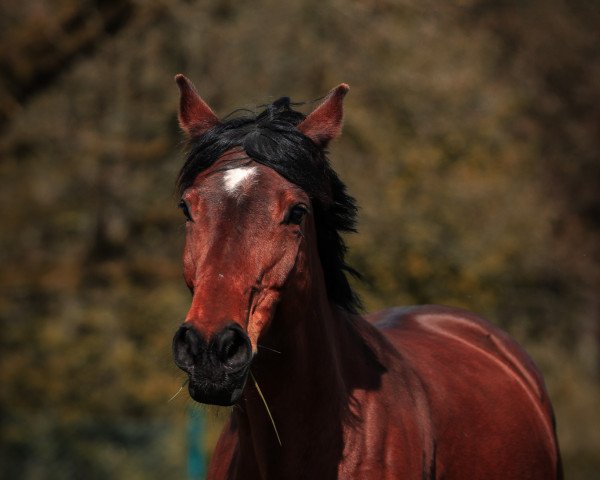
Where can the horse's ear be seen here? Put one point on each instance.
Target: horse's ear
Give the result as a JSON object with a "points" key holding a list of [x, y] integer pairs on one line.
{"points": [[195, 116], [325, 121]]}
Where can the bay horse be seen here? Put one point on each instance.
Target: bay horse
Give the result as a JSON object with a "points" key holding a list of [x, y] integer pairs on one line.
{"points": [[318, 390]]}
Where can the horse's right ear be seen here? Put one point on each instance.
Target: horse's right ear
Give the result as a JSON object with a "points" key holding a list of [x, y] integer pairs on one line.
{"points": [[195, 116]]}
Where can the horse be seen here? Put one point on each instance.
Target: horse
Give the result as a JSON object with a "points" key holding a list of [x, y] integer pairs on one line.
{"points": [[320, 391]]}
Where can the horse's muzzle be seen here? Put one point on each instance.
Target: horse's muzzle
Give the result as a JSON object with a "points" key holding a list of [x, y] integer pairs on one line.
{"points": [[218, 367]]}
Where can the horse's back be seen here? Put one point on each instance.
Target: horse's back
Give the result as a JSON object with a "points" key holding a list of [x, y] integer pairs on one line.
{"points": [[489, 408]]}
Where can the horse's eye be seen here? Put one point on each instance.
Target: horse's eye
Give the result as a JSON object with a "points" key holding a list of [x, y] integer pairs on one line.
{"points": [[185, 210], [296, 214]]}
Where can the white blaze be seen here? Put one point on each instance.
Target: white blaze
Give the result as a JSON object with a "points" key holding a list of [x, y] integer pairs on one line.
{"points": [[235, 177]]}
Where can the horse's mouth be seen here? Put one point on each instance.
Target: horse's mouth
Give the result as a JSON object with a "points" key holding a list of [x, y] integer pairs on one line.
{"points": [[225, 392], [217, 368]]}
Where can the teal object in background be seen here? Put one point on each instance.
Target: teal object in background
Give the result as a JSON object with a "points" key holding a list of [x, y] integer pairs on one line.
{"points": [[196, 460]]}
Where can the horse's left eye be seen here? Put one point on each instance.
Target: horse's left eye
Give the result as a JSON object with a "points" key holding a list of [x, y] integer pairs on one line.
{"points": [[185, 210], [296, 214]]}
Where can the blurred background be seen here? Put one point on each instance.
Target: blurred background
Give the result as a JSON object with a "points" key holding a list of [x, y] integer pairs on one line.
{"points": [[471, 141]]}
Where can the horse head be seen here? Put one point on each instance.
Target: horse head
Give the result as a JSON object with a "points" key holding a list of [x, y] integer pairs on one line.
{"points": [[253, 191]]}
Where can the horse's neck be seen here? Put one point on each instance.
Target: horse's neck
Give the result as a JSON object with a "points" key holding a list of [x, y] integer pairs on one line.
{"points": [[307, 386], [309, 337]]}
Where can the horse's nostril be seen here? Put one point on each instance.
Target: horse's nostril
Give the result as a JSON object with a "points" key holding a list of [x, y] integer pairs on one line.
{"points": [[187, 347], [229, 348], [192, 341], [232, 347]]}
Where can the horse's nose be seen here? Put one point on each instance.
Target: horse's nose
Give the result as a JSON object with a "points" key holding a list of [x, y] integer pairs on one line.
{"points": [[229, 348]]}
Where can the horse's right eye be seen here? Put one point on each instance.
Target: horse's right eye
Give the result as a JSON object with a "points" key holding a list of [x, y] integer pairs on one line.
{"points": [[185, 210]]}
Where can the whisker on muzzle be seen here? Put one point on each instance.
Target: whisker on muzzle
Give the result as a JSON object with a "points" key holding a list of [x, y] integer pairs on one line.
{"points": [[269, 348], [179, 391], [267, 408]]}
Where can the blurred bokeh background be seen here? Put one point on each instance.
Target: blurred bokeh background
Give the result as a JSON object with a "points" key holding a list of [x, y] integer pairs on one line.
{"points": [[471, 141]]}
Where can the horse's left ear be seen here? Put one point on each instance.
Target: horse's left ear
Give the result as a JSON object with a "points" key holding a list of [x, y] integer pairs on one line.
{"points": [[195, 116], [325, 121]]}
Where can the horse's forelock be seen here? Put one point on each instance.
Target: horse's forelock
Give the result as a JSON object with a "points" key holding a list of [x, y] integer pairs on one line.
{"points": [[271, 138]]}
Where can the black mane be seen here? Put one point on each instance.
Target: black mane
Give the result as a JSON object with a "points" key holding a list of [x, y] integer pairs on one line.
{"points": [[271, 138]]}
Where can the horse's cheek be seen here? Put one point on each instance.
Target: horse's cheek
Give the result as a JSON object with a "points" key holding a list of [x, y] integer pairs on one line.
{"points": [[261, 316], [274, 282]]}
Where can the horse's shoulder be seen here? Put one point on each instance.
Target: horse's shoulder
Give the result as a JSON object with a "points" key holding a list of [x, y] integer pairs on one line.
{"points": [[464, 361], [431, 334]]}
